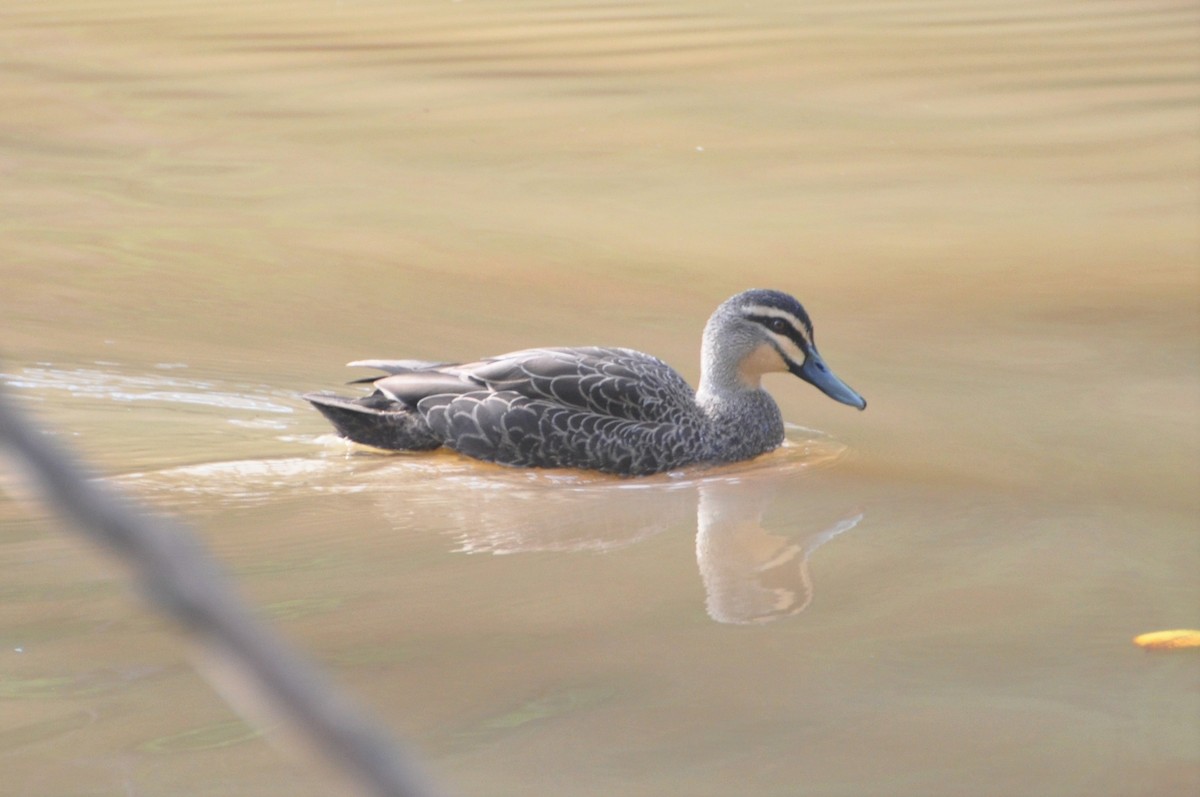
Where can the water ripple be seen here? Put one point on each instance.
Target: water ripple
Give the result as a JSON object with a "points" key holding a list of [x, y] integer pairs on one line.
{"points": [[105, 384]]}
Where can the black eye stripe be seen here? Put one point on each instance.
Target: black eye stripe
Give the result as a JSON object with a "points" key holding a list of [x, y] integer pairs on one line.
{"points": [[789, 329]]}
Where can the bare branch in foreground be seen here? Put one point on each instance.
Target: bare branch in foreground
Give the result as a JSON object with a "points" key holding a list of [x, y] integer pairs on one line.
{"points": [[186, 583]]}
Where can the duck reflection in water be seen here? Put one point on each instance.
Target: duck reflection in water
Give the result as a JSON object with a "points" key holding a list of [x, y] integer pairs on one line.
{"points": [[751, 574]]}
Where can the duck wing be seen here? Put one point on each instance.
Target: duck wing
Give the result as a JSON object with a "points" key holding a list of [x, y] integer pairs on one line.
{"points": [[618, 383], [391, 367], [612, 382], [411, 387], [614, 410], [509, 428]]}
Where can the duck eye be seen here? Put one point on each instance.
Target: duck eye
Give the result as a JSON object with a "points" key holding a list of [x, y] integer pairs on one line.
{"points": [[778, 325]]}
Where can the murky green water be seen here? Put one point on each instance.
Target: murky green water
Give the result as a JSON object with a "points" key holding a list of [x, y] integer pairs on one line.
{"points": [[989, 209]]}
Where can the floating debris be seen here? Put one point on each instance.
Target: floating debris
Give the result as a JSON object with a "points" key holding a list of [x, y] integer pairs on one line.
{"points": [[1169, 640]]}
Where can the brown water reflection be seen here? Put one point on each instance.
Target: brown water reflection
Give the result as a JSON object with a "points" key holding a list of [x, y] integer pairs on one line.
{"points": [[750, 574], [989, 209]]}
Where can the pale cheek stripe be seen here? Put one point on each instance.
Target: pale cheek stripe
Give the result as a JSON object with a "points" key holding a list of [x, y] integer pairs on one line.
{"points": [[789, 349]]}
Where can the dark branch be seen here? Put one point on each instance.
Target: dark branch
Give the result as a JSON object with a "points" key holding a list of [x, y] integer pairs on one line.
{"points": [[186, 583]]}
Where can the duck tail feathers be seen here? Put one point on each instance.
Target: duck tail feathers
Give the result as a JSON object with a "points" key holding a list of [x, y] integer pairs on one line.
{"points": [[376, 420]]}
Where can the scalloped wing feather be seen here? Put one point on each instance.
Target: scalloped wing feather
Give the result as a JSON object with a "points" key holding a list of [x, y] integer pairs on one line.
{"points": [[619, 382], [509, 428]]}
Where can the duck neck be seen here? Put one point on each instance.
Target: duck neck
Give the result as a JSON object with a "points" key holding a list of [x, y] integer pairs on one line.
{"points": [[719, 383], [743, 419], [723, 375]]}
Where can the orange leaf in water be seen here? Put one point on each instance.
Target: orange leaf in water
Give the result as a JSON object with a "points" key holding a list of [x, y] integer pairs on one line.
{"points": [[1169, 640]]}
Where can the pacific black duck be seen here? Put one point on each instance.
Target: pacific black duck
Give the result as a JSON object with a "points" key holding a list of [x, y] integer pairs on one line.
{"points": [[608, 409]]}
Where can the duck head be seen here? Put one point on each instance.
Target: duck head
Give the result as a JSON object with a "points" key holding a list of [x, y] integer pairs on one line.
{"points": [[759, 332]]}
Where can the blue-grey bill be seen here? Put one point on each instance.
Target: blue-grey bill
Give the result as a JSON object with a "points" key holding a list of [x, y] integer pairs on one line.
{"points": [[817, 373]]}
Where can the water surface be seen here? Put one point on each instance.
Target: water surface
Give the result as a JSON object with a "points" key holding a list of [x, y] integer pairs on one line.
{"points": [[989, 209]]}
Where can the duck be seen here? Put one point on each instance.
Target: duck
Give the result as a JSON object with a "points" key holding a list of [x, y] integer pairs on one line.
{"points": [[614, 410]]}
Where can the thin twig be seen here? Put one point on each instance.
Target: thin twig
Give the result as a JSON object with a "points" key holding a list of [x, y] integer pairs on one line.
{"points": [[186, 583]]}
